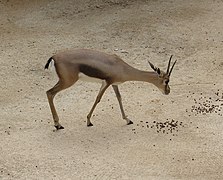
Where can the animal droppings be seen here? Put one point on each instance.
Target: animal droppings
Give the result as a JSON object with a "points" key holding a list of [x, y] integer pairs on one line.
{"points": [[207, 105], [167, 127]]}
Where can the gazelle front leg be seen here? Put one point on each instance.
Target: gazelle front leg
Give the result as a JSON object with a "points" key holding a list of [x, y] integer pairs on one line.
{"points": [[118, 95], [104, 86]]}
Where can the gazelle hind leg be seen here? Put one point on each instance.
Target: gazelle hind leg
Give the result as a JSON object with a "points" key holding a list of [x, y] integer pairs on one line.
{"points": [[118, 95], [104, 86], [51, 94]]}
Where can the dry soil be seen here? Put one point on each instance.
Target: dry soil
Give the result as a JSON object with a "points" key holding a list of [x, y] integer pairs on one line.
{"points": [[179, 136]]}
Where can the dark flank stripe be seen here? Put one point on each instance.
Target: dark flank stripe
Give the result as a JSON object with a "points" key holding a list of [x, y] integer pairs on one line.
{"points": [[92, 72]]}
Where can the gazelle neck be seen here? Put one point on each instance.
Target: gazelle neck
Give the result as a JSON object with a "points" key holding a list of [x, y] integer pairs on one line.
{"points": [[145, 76]]}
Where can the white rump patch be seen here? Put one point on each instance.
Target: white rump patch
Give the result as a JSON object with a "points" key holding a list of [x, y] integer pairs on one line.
{"points": [[51, 65]]}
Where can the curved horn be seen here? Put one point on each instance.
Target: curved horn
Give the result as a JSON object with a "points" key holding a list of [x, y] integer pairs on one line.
{"points": [[168, 68], [172, 67]]}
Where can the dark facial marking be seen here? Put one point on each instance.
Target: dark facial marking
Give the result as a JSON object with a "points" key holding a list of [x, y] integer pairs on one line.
{"points": [[92, 72], [167, 81]]}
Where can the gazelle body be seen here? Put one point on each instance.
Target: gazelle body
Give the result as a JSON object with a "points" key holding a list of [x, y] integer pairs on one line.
{"points": [[91, 65]]}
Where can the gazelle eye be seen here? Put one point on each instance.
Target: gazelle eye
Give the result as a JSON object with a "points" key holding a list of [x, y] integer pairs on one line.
{"points": [[167, 81]]}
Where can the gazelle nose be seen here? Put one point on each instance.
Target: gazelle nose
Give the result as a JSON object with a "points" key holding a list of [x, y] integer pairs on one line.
{"points": [[168, 92]]}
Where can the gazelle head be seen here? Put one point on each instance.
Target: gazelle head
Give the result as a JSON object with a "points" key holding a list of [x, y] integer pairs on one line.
{"points": [[163, 77]]}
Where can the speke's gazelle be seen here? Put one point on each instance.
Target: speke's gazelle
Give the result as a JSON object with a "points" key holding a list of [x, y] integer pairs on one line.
{"points": [[91, 65]]}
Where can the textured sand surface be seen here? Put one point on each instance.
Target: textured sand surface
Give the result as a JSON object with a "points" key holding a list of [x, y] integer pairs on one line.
{"points": [[179, 136]]}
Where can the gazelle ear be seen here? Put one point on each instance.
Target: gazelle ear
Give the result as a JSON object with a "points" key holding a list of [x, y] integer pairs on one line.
{"points": [[152, 66], [155, 68]]}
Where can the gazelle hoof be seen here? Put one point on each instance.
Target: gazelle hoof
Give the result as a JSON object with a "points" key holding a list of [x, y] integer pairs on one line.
{"points": [[88, 125], [130, 122], [59, 127]]}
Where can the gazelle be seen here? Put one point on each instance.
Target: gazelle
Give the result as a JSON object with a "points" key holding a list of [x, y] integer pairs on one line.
{"points": [[91, 65]]}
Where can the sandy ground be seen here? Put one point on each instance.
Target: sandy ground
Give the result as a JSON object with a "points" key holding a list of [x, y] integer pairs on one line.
{"points": [[179, 136]]}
